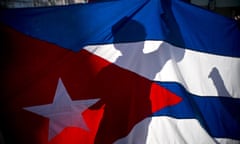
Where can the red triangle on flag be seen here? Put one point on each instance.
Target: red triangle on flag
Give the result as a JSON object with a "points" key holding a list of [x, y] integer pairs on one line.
{"points": [[31, 71]]}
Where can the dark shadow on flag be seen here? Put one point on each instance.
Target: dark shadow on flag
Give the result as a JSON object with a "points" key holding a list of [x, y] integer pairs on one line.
{"points": [[125, 94]]}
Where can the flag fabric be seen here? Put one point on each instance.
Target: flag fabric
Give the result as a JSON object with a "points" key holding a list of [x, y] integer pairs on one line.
{"points": [[122, 72]]}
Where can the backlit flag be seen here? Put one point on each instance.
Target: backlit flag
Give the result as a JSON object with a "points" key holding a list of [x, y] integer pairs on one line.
{"points": [[122, 72]]}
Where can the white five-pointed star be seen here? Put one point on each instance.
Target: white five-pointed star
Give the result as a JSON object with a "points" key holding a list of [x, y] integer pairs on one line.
{"points": [[63, 112]]}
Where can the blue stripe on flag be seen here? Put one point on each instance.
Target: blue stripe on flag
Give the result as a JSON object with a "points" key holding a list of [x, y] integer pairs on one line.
{"points": [[71, 26], [173, 21]]}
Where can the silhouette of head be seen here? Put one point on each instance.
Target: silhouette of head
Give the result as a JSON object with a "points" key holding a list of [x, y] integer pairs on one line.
{"points": [[128, 30]]}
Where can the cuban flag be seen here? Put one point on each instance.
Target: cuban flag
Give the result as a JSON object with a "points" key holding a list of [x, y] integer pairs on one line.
{"points": [[119, 72]]}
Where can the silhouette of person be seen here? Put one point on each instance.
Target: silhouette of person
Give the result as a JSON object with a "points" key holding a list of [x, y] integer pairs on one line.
{"points": [[125, 94]]}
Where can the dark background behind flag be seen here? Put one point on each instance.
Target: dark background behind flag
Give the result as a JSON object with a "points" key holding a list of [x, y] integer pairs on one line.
{"points": [[229, 8]]}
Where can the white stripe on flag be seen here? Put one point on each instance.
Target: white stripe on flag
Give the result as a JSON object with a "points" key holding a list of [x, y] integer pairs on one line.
{"points": [[166, 130], [161, 61]]}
